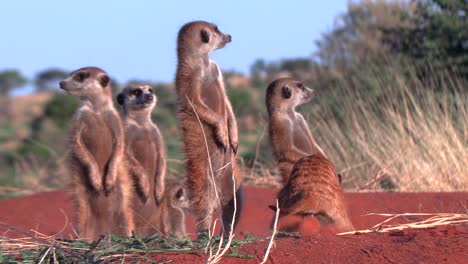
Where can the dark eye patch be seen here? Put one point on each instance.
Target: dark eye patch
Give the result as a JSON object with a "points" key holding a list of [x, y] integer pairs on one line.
{"points": [[137, 92], [81, 76], [104, 80], [301, 86], [205, 36], [286, 92], [180, 193], [150, 90]]}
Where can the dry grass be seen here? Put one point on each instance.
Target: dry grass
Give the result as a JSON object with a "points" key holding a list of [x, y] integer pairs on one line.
{"points": [[273, 234], [435, 219], [414, 136]]}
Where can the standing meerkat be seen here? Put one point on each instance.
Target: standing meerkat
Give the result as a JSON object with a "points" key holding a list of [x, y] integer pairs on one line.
{"points": [[313, 189], [290, 136], [144, 155], [96, 145], [172, 214], [205, 112]]}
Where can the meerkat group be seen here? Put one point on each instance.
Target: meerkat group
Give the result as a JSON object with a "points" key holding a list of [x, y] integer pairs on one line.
{"points": [[117, 162]]}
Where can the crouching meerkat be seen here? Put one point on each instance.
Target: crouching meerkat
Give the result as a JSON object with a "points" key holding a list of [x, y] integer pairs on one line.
{"points": [[290, 136], [172, 210], [313, 189], [144, 155], [96, 147], [209, 129]]}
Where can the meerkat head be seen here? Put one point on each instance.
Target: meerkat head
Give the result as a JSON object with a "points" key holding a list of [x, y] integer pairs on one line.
{"points": [[87, 82], [285, 93], [201, 38], [137, 97]]}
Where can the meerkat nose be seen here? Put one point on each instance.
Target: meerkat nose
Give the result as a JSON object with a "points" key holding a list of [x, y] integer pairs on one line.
{"points": [[62, 84], [229, 37], [149, 97]]}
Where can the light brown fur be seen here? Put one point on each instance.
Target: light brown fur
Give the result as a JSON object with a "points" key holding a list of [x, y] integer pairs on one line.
{"points": [[172, 214], [96, 144], [144, 155], [201, 94], [313, 189], [290, 136]]}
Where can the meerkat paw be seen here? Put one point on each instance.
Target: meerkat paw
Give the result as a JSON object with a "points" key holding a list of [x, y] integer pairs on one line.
{"points": [[233, 140], [222, 137], [109, 184], [144, 192], [95, 179], [158, 193], [234, 146]]}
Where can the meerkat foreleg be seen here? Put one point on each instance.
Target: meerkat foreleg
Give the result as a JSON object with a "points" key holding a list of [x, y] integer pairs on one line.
{"points": [[208, 116], [311, 139], [139, 177], [293, 154], [85, 157], [160, 171], [117, 153], [232, 128]]}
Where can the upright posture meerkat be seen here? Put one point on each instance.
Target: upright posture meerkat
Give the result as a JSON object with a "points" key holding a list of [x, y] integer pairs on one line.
{"points": [[289, 134], [96, 146], [313, 189], [144, 155], [172, 214], [205, 113]]}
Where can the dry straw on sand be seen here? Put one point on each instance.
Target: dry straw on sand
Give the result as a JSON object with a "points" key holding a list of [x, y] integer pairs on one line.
{"points": [[439, 219]]}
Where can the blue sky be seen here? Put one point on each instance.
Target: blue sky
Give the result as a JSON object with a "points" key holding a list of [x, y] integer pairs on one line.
{"points": [[137, 39]]}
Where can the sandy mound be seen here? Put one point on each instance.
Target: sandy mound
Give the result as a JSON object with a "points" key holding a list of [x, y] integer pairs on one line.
{"points": [[50, 214]]}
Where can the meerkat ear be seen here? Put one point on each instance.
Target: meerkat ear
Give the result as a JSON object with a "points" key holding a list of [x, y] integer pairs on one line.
{"points": [[120, 98], [180, 194], [104, 80], [205, 36], [286, 92]]}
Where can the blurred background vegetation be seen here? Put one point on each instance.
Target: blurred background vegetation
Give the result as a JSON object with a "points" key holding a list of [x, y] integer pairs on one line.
{"points": [[392, 110]]}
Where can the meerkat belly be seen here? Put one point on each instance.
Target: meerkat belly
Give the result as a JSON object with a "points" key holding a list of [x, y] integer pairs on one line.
{"points": [[97, 137], [213, 96], [145, 152]]}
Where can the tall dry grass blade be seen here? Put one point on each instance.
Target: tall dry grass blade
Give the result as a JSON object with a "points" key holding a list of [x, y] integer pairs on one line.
{"points": [[272, 238], [217, 257]]}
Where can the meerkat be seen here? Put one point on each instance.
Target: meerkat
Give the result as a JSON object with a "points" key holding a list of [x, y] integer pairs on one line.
{"points": [[144, 154], [96, 149], [209, 128], [172, 216], [313, 189], [289, 133]]}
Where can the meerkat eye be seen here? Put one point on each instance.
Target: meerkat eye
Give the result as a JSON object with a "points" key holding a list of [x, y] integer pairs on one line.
{"points": [[301, 86], [81, 76], [136, 92], [150, 90]]}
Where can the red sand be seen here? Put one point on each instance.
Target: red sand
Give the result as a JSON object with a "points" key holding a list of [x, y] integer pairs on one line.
{"points": [[50, 214]]}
